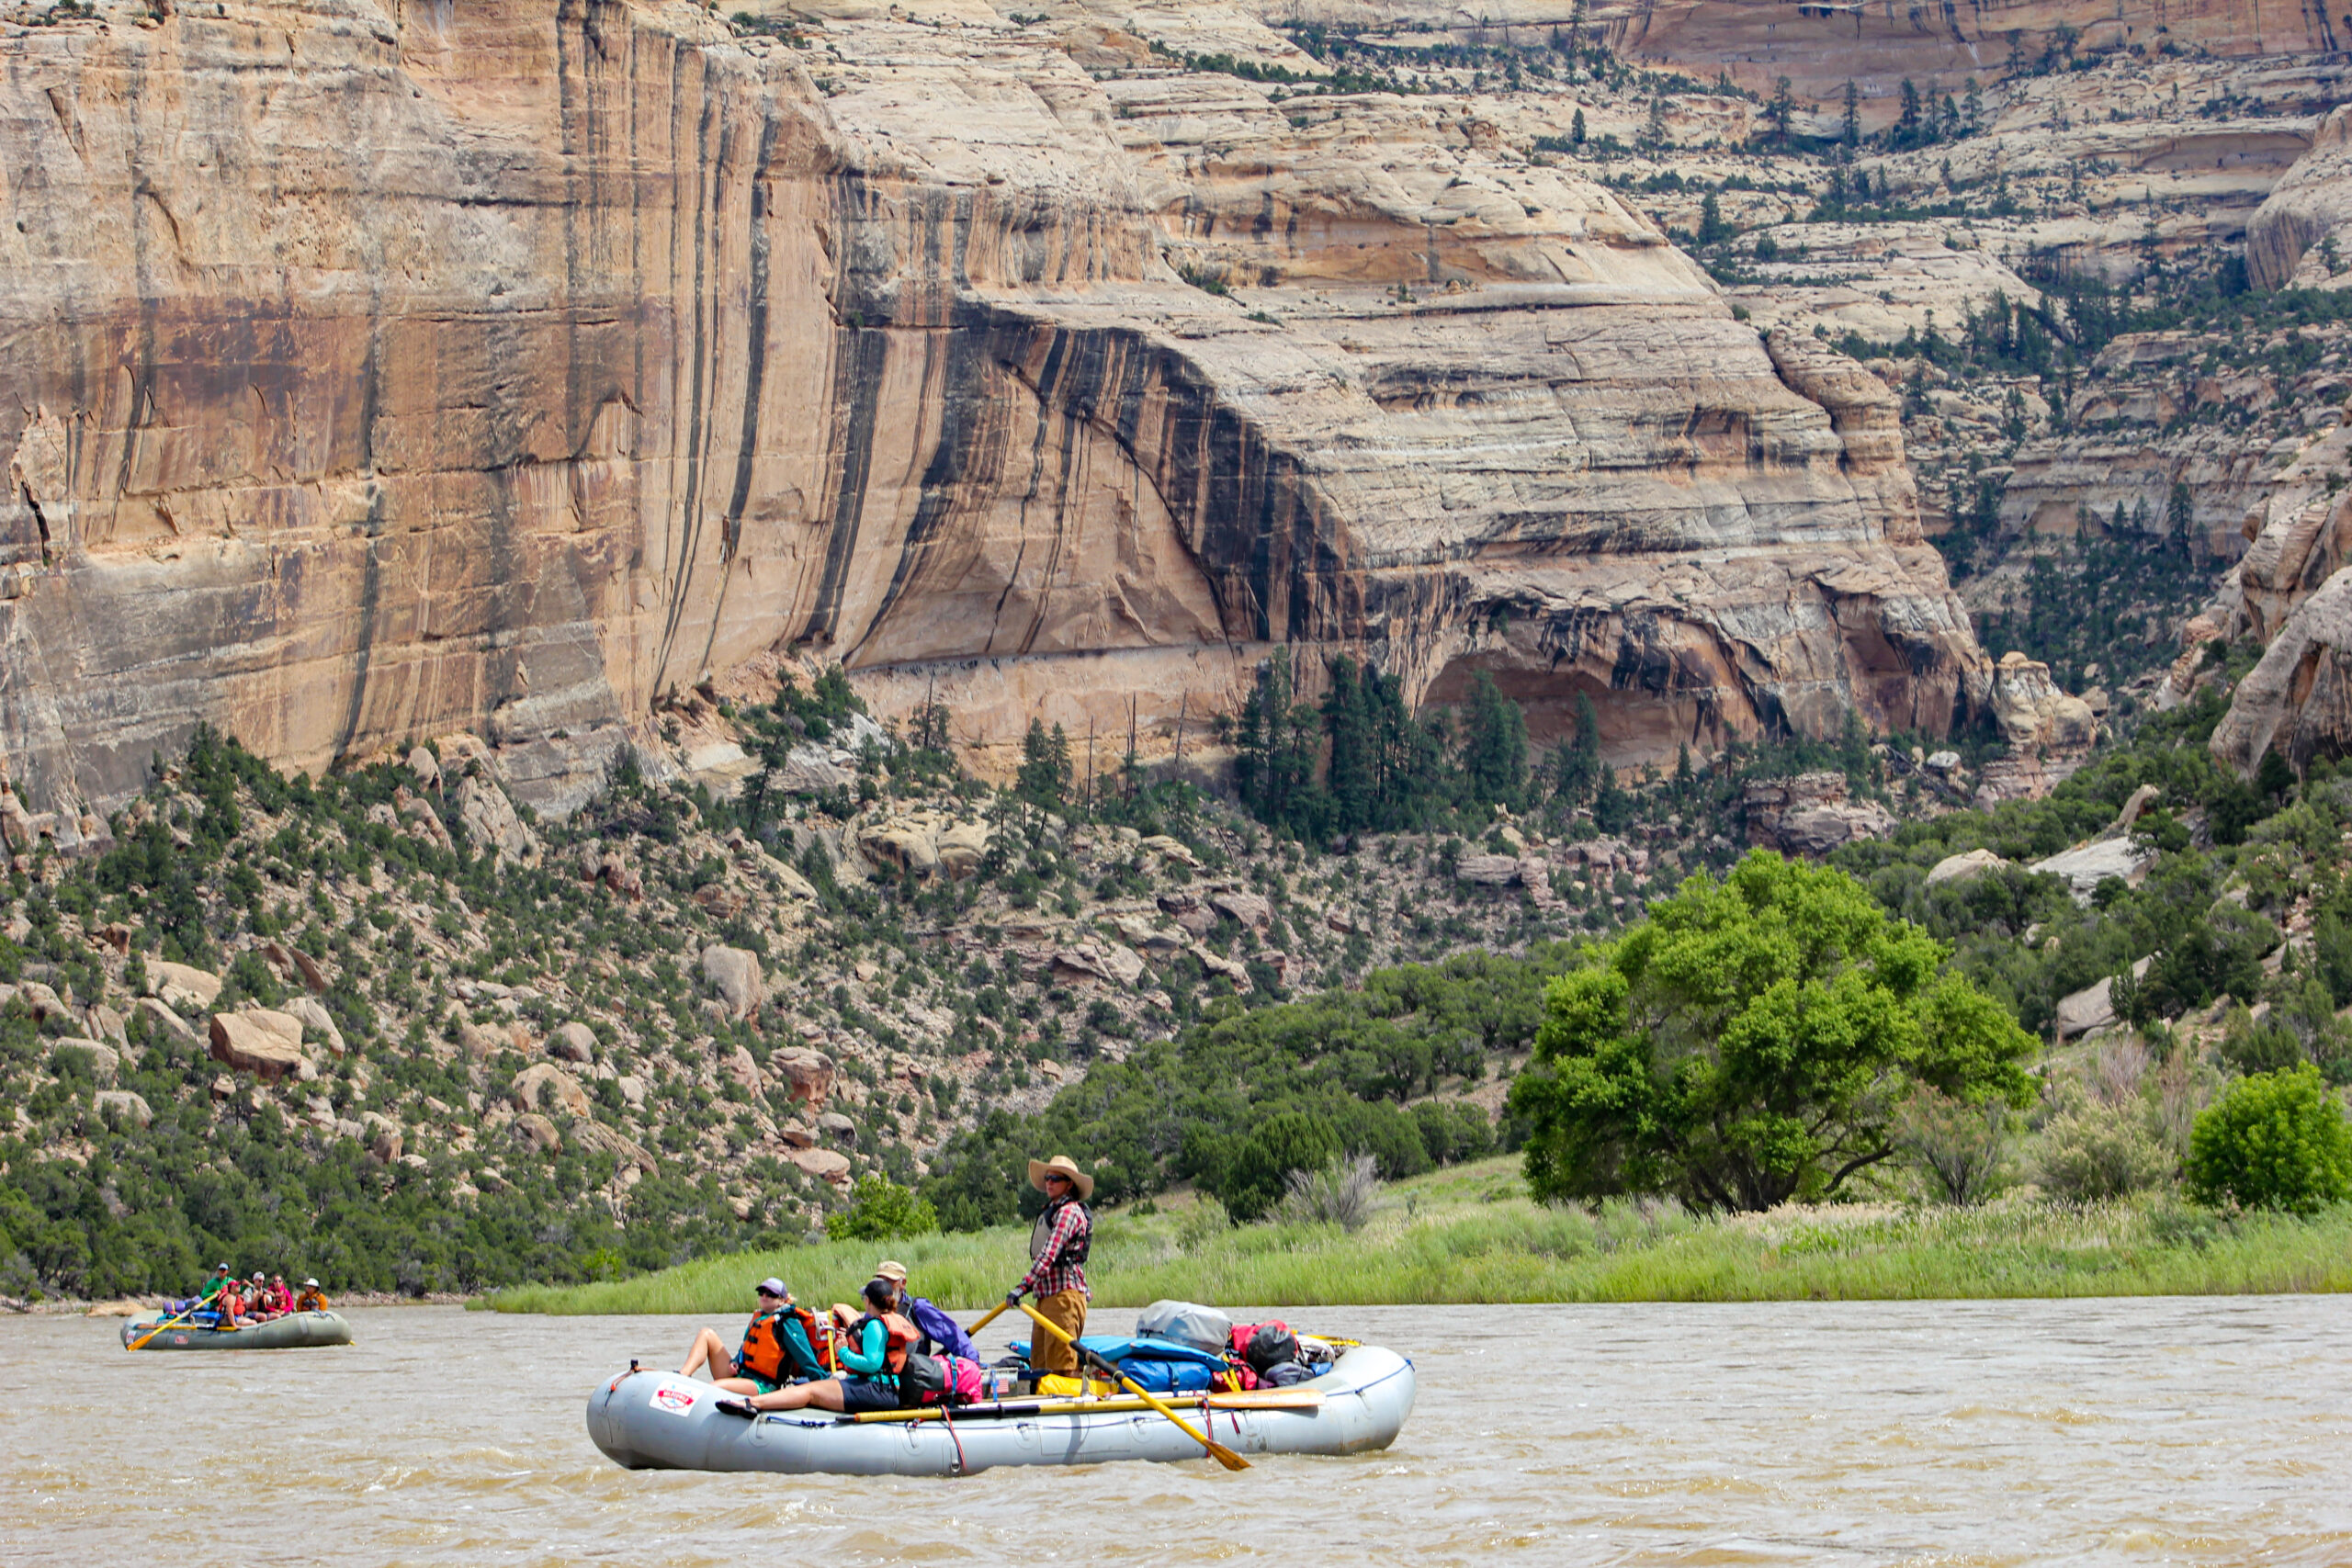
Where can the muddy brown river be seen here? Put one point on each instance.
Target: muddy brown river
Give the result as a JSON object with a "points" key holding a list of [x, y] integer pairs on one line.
{"points": [[2146, 1431]]}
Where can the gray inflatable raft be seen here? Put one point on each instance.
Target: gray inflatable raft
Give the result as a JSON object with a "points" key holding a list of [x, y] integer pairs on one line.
{"points": [[647, 1420], [296, 1331]]}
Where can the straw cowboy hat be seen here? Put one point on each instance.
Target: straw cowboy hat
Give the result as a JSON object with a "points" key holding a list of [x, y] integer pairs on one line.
{"points": [[1064, 1166]]}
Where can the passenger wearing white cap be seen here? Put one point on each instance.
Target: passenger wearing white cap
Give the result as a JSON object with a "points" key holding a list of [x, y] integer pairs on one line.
{"points": [[940, 1332], [778, 1348], [312, 1299]]}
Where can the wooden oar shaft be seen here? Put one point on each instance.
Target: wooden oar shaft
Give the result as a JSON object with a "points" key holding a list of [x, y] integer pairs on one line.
{"points": [[990, 1316], [177, 1317], [1217, 1451], [1001, 1409]]}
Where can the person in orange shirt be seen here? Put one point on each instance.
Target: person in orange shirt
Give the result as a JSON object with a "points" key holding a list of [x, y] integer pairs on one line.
{"points": [[312, 1299]]}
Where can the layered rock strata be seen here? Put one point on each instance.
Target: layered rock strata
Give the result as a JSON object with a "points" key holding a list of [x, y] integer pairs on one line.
{"points": [[380, 372]]}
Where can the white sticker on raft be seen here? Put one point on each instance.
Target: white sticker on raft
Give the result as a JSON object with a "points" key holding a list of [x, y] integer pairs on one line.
{"points": [[671, 1400]]}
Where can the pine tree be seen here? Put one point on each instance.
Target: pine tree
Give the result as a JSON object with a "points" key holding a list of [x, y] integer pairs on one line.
{"points": [[1045, 776], [1853, 122], [1781, 109], [1713, 230], [2180, 515], [1494, 747], [1575, 128], [1654, 130], [1906, 124], [1350, 775]]}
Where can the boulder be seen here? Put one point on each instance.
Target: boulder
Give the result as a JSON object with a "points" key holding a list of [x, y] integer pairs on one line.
{"points": [[1139, 932], [2147, 795], [797, 1136], [536, 1133], [633, 1089], [490, 824], [910, 845], [543, 1086], [739, 1068], [1486, 871], [2091, 1008], [1243, 909], [1818, 829], [1962, 867], [130, 1107], [595, 1136], [826, 1164], [810, 1073], [1169, 849], [2034, 715], [425, 766], [258, 1041], [107, 1024], [479, 1042], [1942, 761], [2086, 865], [163, 1021], [734, 973], [181, 987], [102, 1060], [384, 1136], [573, 1041], [1103, 961], [833, 1124], [963, 847], [318, 1021]]}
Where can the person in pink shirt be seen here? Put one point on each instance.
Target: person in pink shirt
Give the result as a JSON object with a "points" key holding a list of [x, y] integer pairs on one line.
{"points": [[280, 1299]]}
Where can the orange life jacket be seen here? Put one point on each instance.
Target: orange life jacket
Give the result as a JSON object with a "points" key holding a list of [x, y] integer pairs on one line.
{"points": [[765, 1351]]}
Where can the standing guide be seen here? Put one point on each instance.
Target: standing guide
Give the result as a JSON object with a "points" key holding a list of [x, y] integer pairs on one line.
{"points": [[1057, 1248]]}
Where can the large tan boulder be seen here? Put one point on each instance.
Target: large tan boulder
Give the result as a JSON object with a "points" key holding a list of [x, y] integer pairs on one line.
{"points": [[122, 1102], [102, 1060], [320, 1022], [536, 1133], [810, 1073], [573, 1041], [163, 1022], [1105, 961], [1964, 867], [826, 1164], [491, 826], [628, 1151], [544, 1087], [386, 1139], [258, 1041], [734, 973], [182, 987], [963, 847], [2035, 714]]}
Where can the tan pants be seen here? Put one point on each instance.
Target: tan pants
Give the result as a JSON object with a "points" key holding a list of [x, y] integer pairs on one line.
{"points": [[1066, 1309]]}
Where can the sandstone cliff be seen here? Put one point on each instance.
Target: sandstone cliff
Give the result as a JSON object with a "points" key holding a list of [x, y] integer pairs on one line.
{"points": [[380, 371]]}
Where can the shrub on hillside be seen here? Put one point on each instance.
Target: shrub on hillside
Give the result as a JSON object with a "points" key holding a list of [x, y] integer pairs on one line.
{"points": [[879, 1209], [2272, 1141]]}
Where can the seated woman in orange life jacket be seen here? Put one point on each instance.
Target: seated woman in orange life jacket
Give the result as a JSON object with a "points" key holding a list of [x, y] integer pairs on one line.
{"points": [[779, 1348], [884, 1371]]}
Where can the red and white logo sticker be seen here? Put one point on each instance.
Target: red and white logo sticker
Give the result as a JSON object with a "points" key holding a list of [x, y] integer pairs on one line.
{"points": [[672, 1399]]}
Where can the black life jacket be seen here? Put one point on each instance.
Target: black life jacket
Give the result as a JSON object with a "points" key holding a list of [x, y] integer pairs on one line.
{"points": [[1078, 1243]]}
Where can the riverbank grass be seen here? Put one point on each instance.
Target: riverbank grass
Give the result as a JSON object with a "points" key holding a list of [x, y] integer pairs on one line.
{"points": [[1471, 1233]]}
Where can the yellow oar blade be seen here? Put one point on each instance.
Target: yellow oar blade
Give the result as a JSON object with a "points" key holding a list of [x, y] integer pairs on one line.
{"points": [[1217, 1451]]}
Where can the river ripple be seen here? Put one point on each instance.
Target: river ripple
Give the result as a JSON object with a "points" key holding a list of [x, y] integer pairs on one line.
{"points": [[2144, 1431]]}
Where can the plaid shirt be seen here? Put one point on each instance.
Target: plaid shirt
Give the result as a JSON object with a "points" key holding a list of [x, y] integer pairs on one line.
{"points": [[1049, 1276]]}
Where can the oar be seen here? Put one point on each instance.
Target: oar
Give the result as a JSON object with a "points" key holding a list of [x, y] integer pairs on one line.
{"points": [[182, 1317], [1217, 1451], [1260, 1399], [990, 1316]]}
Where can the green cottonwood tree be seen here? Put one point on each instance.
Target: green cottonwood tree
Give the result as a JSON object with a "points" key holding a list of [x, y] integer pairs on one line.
{"points": [[1751, 1042]]}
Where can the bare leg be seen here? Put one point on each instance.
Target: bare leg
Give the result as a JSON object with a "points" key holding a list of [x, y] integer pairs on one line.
{"points": [[825, 1394], [710, 1351], [736, 1385]]}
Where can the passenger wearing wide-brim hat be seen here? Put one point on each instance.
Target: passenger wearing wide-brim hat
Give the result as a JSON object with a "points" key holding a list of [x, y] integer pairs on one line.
{"points": [[1057, 1248]]}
